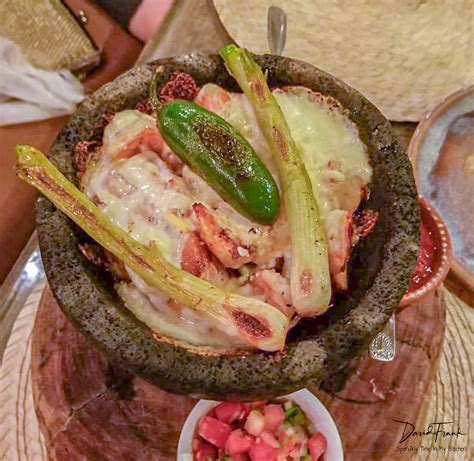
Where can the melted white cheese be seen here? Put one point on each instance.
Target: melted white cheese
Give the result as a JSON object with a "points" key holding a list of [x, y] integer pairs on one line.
{"points": [[137, 194], [125, 127], [329, 143]]}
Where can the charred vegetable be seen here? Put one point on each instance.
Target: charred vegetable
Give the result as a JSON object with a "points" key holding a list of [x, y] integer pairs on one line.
{"points": [[255, 322], [310, 282], [218, 153]]}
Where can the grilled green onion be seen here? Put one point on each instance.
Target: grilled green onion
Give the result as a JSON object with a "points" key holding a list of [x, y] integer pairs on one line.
{"points": [[255, 322], [310, 282]]}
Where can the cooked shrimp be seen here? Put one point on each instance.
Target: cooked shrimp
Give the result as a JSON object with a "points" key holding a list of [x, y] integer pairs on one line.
{"points": [[274, 288], [132, 132], [227, 248], [338, 225], [198, 260]]}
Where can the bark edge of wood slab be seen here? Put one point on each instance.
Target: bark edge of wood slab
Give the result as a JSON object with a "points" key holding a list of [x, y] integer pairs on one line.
{"points": [[381, 266]]}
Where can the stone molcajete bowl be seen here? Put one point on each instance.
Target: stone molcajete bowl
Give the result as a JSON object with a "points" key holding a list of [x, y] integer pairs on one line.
{"points": [[317, 349]]}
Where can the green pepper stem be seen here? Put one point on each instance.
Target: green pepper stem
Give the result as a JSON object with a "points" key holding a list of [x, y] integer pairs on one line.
{"points": [[154, 99]]}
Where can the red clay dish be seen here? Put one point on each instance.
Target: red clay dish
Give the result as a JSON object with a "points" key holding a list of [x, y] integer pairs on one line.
{"points": [[434, 259]]}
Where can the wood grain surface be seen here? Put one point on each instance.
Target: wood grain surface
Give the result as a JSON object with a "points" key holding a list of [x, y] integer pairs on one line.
{"points": [[20, 436], [90, 409]]}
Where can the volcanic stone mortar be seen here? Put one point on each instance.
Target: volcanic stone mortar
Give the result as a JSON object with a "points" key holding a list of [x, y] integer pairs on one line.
{"points": [[381, 266]]}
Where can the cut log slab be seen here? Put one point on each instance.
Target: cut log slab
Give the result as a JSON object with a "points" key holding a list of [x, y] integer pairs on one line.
{"points": [[90, 410]]}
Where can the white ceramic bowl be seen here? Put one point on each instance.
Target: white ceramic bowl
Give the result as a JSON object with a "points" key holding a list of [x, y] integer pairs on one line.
{"points": [[313, 408]]}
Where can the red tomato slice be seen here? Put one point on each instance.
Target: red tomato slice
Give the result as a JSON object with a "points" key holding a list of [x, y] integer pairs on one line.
{"points": [[257, 404], [317, 445], [214, 431], [260, 451], [274, 417], [229, 412], [255, 423], [239, 458], [269, 439], [205, 452], [238, 443]]}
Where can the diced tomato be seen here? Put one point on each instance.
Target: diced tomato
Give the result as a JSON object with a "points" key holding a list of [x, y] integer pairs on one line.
{"points": [[274, 417], [205, 452], [260, 451], [255, 423], [214, 431], [287, 446], [240, 457], [229, 412], [296, 452], [238, 443], [317, 445], [270, 439]]}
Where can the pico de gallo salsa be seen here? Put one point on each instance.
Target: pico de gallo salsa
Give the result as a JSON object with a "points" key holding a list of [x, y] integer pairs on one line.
{"points": [[257, 431]]}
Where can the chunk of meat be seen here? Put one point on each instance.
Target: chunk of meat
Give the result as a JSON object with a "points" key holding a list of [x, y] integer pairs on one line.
{"points": [[274, 288], [131, 132], [364, 225], [198, 260], [339, 232], [213, 97], [180, 86], [81, 154], [171, 159], [225, 246], [148, 139]]}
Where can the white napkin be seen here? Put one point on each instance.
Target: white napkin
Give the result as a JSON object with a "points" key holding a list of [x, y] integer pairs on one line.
{"points": [[28, 93]]}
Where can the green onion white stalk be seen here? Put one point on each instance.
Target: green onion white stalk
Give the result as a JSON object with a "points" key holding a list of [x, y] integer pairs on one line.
{"points": [[255, 322], [310, 282]]}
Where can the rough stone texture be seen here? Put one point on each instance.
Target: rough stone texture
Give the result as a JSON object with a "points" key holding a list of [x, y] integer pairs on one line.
{"points": [[317, 349]]}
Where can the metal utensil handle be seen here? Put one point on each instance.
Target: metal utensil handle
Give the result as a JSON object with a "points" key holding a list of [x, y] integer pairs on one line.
{"points": [[276, 29], [383, 346]]}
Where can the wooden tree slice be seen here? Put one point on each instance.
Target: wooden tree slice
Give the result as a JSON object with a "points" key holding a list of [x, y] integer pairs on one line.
{"points": [[377, 393], [91, 410]]}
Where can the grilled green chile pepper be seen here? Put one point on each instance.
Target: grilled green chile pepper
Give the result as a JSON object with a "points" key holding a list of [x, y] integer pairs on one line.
{"points": [[218, 153]]}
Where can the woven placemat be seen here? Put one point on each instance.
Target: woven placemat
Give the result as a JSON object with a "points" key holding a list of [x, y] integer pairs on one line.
{"points": [[20, 436], [403, 55]]}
